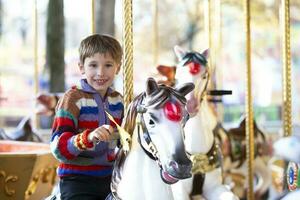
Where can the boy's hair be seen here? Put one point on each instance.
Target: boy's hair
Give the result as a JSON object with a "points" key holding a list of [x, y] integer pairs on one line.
{"points": [[100, 44]]}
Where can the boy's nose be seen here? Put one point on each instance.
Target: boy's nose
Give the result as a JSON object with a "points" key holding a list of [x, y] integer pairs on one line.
{"points": [[100, 71]]}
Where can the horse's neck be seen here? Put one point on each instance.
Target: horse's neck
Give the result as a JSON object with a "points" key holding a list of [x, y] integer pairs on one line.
{"points": [[141, 176], [199, 135]]}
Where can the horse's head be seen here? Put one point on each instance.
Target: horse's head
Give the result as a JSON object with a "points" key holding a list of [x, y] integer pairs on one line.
{"points": [[160, 118], [192, 67]]}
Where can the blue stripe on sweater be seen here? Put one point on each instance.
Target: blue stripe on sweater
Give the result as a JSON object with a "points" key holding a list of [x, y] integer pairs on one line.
{"points": [[115, 107], [88, 110], [60, 130], [103, 172]]}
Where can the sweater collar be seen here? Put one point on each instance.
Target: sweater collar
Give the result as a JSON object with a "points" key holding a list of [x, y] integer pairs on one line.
{"points": [[87, 88]]}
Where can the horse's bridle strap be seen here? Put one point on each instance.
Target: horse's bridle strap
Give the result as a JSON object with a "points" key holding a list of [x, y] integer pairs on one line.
{"points": [[150, 149]]}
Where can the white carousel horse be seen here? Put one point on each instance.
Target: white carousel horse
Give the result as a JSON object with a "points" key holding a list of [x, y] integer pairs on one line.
{"points": [[288, 148], [199, 137], [157, 155]]}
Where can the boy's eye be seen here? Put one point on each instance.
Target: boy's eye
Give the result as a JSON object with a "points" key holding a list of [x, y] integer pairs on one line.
{"points": [[93, 65], [108, 65]]}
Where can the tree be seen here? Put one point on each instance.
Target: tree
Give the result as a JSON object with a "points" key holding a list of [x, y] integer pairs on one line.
{"points": [[55, 46], [105, 17]]}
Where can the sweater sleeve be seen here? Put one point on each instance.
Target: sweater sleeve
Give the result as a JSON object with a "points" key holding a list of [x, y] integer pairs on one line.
{"points": [[64, 128]]}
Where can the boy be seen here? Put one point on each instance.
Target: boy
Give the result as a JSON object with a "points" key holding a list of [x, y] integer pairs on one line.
{"points": [[82, 136]]}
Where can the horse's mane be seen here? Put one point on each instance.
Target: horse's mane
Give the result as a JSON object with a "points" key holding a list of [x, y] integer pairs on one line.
{"points": [[156, 100], [193, 56], [131, 113]]}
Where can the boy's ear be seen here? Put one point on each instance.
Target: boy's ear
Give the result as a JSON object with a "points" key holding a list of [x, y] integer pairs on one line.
{"points": [[118, 68], [81, 68]]}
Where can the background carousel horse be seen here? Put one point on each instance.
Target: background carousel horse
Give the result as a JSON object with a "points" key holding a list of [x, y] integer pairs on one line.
{"points": [[198, 73], [157, 155], [199, 137], [233, 145], [288, 148], [23, 132]]}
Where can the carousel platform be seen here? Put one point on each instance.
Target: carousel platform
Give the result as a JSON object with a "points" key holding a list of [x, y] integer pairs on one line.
{"points": [[27, 170]]}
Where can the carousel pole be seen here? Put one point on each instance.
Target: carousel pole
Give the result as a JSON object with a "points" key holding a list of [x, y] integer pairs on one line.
{"points": [[218, 53], [155, 32], [208, 22], [287, 105], [249, 108], [128, 53], [93, 17], [35, 53]]}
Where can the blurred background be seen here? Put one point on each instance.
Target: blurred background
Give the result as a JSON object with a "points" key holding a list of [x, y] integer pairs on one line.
{"points": [[62, 24]]}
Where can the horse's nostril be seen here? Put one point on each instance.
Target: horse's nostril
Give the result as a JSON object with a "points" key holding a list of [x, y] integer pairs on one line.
{"points": [[180, 167], [174, 165]]}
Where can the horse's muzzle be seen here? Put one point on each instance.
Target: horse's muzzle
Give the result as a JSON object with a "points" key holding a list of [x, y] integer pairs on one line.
{"points": [[180, 171]]}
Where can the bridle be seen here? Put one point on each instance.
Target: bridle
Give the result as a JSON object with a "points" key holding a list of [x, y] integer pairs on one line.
{"points": [[148, 146]]}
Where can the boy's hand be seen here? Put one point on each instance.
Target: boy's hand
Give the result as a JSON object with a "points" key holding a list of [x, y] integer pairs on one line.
{"points": [[103, 133]]}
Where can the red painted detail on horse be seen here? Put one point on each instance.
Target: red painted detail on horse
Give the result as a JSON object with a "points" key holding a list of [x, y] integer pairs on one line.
{"points": [[194, 68], [173, 111]]}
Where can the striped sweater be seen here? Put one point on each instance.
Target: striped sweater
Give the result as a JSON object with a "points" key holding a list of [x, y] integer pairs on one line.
{"points": [[79, 111]]}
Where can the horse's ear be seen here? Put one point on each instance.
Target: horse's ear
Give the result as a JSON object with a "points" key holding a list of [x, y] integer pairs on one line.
{"points": [[205, 53], [166, 70], [186, 88], [151, 86], [179, 52]]}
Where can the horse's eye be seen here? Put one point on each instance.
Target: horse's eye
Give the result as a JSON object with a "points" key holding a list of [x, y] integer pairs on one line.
{"points": [[151, 122]]}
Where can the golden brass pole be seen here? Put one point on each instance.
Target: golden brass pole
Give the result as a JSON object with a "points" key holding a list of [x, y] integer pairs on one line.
{"points": [[93, 29], [287, 97], [208, 21], [155, 45], [218, 53], [128, 53], [35, 53], [248, 105]]}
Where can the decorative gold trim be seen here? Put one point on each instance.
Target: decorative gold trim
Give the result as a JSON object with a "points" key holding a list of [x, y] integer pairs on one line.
{"points": [[8, 178], [203, 163], [45, 175]]}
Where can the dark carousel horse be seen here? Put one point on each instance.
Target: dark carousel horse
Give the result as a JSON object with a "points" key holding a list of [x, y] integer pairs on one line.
{"points": [[23, 132], [233, 144]]}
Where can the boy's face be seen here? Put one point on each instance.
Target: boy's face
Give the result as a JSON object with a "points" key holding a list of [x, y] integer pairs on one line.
{"points": [[100, 71]]}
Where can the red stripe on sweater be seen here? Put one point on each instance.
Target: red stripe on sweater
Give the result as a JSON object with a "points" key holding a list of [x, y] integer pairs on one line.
{"points": [[118, 120], [88, 124], [63, 145], [62, 121], [85, 168]]}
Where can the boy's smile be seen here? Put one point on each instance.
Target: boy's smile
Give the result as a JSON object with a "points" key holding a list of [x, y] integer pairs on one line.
{"points": [[100, 71]]}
